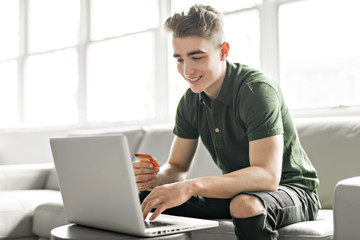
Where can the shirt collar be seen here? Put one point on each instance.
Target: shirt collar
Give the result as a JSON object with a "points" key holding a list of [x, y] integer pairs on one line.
{"points": [[225, 95]]}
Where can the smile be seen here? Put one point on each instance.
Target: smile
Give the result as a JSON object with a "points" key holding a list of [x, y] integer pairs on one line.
{"points": [[194, 79]]}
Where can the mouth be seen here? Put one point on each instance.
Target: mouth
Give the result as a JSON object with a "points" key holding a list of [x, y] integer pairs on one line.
{"points": [[192, 80]]}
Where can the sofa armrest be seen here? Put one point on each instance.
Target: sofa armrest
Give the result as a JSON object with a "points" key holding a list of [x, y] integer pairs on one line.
{"points": [[24, 176], [347, 209]]}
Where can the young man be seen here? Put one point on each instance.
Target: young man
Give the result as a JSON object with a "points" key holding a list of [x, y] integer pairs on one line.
{"points": [[268, 181]]}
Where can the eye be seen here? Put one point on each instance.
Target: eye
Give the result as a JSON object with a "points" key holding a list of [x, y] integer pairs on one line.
{"points": [[197, 58], [179, 60]]}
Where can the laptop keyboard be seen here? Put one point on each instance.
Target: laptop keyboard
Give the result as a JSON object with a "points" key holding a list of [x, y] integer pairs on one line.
{"points": [[156, 224]]}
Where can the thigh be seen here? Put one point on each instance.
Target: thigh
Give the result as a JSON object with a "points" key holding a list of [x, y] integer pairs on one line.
{"points": [[200, 207], [288, 205]]}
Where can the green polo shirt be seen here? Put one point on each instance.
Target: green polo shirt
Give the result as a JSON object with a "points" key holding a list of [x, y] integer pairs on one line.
{"points": [[249, 107]]}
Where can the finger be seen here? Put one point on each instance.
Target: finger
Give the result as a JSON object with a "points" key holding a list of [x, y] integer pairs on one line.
{"points": [[145, 177], [157, 212], [145, 185], [138, 164], [150, 202], [143, 171]]}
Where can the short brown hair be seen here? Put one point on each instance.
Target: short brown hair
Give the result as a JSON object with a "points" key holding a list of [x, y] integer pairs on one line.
{"points": [[200, 20]]}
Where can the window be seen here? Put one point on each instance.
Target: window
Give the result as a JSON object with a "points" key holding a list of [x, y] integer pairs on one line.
{"points": [[320, 53], [9, 42], [121, 79], [8, 94], [121, 62], [106, 62]]}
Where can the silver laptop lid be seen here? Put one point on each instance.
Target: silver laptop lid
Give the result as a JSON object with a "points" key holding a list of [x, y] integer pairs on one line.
{"points": [[97, 182]]}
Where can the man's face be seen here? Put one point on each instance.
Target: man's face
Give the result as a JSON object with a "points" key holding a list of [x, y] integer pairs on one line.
{"points": [[200, 63]]}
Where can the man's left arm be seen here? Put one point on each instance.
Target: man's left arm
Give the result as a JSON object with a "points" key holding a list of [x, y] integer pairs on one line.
{"points": [[263, 174]]}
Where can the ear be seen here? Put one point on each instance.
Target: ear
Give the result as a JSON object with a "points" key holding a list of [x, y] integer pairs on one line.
{"points": [[224, 51]]}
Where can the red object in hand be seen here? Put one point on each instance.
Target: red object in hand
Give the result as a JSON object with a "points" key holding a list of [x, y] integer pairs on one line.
{"points": [[146, 158]]}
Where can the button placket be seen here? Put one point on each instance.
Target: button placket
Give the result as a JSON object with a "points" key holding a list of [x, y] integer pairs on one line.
{"points": [[217, 126]]}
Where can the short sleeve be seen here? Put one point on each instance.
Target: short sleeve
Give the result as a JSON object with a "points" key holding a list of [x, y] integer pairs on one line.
{"points": [[185, 121], [260, 110]]}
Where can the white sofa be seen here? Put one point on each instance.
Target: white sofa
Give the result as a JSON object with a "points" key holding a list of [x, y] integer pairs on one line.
{"points": [[31, 204]]}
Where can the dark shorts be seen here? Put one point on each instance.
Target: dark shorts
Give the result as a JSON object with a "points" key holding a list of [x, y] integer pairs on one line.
{"points": [[283, 207]]}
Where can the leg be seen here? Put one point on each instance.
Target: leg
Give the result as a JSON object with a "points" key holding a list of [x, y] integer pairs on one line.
{"points": [[249, 216], [258, 215], [245, 206]]}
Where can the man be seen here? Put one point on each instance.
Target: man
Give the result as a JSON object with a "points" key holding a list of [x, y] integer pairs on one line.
{"points": [[268, 181]]}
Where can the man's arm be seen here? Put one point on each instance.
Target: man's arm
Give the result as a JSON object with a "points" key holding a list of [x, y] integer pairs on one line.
{"points": [[176, 168], [263, 175]]}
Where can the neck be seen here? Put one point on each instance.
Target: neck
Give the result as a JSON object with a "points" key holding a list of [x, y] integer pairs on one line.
{"points": [[215, 89]]}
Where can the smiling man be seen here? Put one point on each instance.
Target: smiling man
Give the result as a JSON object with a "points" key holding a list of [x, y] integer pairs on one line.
{"points": [[267, 181]]}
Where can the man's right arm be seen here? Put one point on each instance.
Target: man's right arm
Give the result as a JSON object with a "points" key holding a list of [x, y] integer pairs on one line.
{"points": [[181, 154]]}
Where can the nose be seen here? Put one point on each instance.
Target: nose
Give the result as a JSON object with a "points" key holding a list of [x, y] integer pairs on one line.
{"points": [[188, 69]]}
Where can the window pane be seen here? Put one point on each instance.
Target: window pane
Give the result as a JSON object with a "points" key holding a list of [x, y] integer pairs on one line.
{"points": [[223, 5], [53, 24], [51, 83], [121, 79], [320, 53], [8, 94], [9, 29], [242, 31], [111, 18]]}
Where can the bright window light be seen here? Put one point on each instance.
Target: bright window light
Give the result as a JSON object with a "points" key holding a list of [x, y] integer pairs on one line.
{"points": [[8, 94], [53, 24], [50, 89], [9, 29], [223, 5], [320, 53], [111, 18], [242, 31], [121, 79]]}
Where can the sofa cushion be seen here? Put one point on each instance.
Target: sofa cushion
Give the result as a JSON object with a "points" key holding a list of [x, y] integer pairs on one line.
{"points": [[47, 217], [331, 144], [16, 210], [52, 181], [321, 229], [24, 176]]}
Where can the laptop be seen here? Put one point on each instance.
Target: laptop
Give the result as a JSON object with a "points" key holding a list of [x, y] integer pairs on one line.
{"points": [[98, 188]]}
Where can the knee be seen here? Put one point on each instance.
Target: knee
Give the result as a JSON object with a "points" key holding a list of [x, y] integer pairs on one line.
{"points": [[245, 206]]}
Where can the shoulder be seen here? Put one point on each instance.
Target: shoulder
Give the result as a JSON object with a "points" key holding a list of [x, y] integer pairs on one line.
{"points": [[257, 84]]}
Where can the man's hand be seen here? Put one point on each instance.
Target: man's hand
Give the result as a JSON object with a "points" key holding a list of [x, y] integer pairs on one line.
{"points": [[145, 174], [164, 197]]}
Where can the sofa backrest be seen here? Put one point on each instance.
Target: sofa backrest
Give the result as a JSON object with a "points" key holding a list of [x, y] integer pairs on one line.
{"points": [[157, 141], [333, 146], [24, 176]]}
